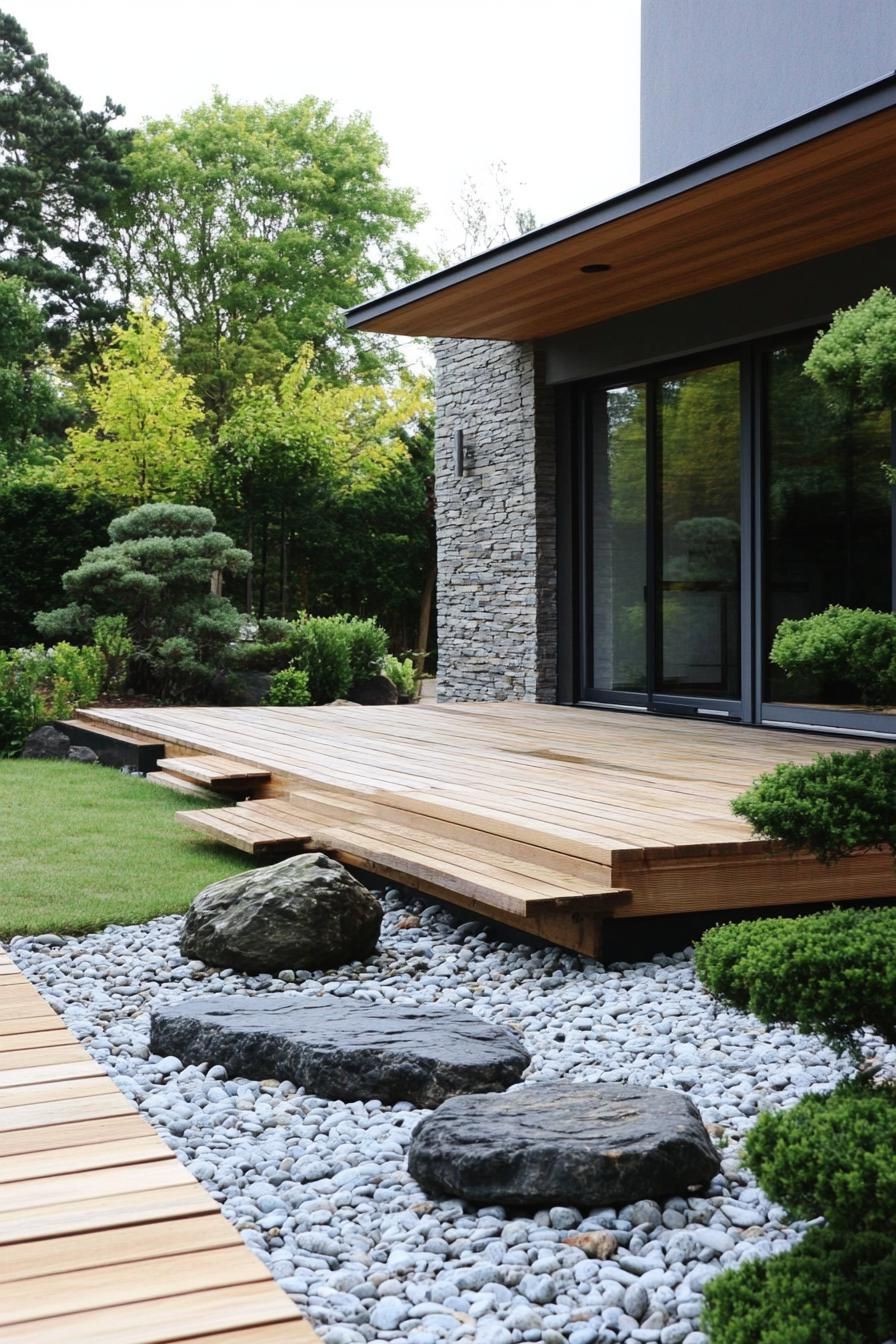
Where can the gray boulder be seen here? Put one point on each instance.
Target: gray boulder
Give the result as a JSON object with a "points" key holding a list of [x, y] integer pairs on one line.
{"points": [[379, 690], [83, 754], [337, 1047], [586, 1145], [46, 744], [305, 913]]}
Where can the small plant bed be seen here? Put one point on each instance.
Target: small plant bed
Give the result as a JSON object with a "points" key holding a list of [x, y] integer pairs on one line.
{"points": [[82, 847]]}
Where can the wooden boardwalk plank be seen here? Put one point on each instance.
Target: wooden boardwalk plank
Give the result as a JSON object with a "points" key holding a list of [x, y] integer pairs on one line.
{"points": [[104, 1235], [165, 1319]]}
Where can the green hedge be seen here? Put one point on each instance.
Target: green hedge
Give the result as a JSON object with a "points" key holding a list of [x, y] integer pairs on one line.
{"points": [[833, 1288], [44, 531], [849, 644], [831, 1155], [831, 973]]}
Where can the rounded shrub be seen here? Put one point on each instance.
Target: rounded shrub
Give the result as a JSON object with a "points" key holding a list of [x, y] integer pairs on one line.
{"points": [[833, 1288], [832, 973], [838, 803], [856, 645], [289, 687], [831, 1156]]}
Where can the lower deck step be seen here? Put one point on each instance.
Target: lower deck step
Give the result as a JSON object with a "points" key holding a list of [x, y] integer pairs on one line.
{"points": [[260, 837], [216, 772], [114, 746], [177, 785], [521, 889]]}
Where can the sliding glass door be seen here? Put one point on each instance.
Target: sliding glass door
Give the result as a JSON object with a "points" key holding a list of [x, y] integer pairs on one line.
{"points": [[698, 566], [712, 501], [665, 542]]}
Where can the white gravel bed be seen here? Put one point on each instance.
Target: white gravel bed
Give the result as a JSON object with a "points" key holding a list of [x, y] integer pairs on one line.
{"points": [[320, 1191]]}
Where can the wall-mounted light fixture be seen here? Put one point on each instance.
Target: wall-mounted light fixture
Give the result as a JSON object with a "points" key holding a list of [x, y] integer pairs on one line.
{"points": [[460, 453]]}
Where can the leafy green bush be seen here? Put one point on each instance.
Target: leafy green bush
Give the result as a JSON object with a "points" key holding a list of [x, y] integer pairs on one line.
{"points": [[368, 644], [857, 645], [289, 687], [401, 672], [837, 804], [157, 573], [38, 684], [854, 1129], [831, 973], [833, 1288], [855, 359], [334, 651]]}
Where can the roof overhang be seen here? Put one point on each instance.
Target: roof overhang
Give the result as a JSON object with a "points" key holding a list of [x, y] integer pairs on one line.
{"points": [[815, 185]]}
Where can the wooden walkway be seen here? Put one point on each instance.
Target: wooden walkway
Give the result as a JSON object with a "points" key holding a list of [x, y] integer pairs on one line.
{"points": [[105, 1238], [548, 818]]}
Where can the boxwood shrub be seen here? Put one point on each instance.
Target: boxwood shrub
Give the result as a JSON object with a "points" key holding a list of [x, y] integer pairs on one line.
{"points": [[832, 973], [833, 1288], [831, 1155], [838, 803]]}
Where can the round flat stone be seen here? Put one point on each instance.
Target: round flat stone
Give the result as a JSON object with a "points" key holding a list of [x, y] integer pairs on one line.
{"points": [[583, 1144], [334, 1047]]}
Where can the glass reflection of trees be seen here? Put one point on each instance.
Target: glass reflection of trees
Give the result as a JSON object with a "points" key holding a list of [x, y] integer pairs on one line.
{"points": [[827, 511]]}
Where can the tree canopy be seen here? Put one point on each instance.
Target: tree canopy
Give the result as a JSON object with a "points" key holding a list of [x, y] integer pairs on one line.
{"points": [[253, 226], [60, 170]]}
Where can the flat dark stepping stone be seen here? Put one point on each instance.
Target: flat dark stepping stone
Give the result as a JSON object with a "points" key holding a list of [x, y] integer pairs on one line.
{"points": [[335, 1047], [564, 1143]]}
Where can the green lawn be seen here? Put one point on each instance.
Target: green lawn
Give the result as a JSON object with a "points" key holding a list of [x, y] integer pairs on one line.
{"points": [[82, 846]]}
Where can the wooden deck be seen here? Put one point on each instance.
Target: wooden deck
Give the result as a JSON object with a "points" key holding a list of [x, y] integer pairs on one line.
{"points": [[105, 1238], [548, 818]]}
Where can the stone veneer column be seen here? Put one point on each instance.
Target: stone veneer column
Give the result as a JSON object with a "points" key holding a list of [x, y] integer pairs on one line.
{"points": [[497, 545]]}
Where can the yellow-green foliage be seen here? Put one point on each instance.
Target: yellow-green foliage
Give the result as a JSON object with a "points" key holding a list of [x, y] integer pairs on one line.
{"points": [[38, 684], [855, 359]]}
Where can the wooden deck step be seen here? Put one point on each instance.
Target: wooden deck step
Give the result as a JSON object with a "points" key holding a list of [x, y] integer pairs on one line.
{"points": [[522, 887], [167, 780], [266, 836], [218, 773]]}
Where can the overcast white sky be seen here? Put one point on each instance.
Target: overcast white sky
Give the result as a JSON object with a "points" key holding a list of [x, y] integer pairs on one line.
{"points": [[551, 87]]}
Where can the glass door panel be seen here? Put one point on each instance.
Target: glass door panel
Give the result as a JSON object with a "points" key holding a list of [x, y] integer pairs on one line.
{"points": [[827, 515], [619, 541], [699, 534]]}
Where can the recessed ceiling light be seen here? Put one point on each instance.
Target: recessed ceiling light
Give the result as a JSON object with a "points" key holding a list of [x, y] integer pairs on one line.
{"points": [[593, 267]]}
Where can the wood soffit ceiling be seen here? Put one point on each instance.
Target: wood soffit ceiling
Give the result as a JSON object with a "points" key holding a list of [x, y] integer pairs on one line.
{"points": [[833, 191]]}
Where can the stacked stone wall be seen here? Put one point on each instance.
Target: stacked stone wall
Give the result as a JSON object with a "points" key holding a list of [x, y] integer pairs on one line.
{"points": [[497, 546]]}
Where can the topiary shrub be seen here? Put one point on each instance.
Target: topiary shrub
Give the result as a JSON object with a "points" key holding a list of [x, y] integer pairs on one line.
{"points": [[832, 973], [158, 574], [854, 361], [289, 687], [839, 803], [854, 1129], [835, 1287], [857, 645]]}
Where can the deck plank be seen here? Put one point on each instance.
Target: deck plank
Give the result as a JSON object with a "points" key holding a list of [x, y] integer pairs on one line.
{"points": [[645, 799]]}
